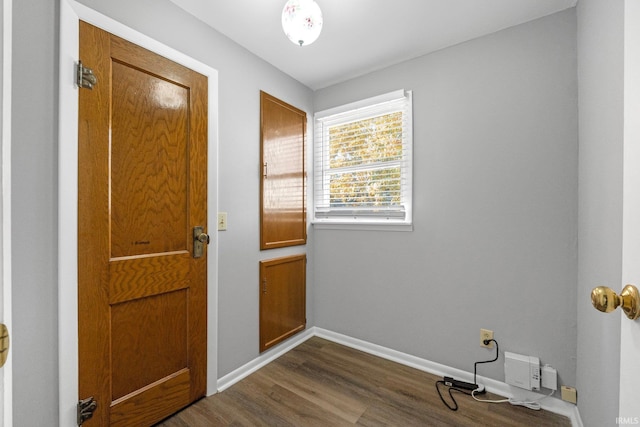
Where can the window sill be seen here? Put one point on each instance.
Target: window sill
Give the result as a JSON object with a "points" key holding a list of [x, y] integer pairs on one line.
{"points": [[362, 226]]}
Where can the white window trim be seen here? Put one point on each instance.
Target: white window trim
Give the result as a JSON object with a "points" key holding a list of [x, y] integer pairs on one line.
{"points": [[364, 223]]}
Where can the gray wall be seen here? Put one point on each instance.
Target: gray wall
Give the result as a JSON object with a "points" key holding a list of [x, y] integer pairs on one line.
{"points": [[600, 66], [495, 188], [241, 76], [495, 208], [34, 174]]}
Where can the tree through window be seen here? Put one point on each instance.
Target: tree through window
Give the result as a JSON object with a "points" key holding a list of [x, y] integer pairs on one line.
{"points": [[363, 161]]}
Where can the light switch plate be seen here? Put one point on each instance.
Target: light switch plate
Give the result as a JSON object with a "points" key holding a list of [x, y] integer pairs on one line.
{"points": [[222, 221]]}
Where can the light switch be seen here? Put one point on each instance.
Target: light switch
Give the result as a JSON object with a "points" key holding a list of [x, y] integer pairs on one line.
{"points": [[222, 221]]}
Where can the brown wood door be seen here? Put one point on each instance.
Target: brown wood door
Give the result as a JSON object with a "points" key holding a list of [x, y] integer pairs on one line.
{"points": [[142, 188], [283, 185], [282, 299]]}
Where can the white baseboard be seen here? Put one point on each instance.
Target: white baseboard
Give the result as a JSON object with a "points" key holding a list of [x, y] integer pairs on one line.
{"points": [[262, 360], [550, 404]]}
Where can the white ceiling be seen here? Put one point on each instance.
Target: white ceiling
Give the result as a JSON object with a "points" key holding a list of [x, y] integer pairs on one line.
{"points": [[360, 36]]}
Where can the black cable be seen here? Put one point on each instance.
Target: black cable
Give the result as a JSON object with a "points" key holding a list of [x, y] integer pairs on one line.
{"points": [[453, 399], [454, 407], [475, 365]]}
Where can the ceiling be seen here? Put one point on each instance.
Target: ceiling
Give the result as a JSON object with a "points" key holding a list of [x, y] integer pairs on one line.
{"points": [[360, 36]]}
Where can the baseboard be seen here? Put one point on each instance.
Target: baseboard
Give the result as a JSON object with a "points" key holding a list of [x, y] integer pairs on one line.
{"points": [[550, 404], [264, 359]]}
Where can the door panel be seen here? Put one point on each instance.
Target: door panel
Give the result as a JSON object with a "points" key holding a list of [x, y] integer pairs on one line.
{"points": [[283, 180], [142, 189], [148, 163], [156, 325], [282, 299]]}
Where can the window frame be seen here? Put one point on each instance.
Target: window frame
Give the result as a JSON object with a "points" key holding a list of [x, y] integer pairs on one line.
{"points": [[365, 219]]}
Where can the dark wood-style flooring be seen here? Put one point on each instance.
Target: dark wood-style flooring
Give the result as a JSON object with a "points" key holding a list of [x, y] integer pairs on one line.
{"points": [[321, 383]]}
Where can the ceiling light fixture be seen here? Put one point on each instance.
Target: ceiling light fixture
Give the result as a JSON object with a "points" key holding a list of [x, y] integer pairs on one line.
{"points": [[302, 21]]}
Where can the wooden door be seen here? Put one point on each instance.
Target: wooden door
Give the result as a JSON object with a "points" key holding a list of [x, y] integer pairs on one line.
{"points": [[282, 299], [142, 189], [283, 211]]}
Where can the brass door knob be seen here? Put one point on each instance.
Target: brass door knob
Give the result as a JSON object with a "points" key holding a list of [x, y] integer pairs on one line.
{"points": [[203, 238], [605, 300]]}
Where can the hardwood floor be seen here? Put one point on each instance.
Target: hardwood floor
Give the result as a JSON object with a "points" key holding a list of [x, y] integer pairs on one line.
{"points": [[321, 383]]}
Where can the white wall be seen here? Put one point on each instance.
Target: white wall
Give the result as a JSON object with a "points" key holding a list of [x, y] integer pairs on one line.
{"points": [[600, 66], [495, 197]]}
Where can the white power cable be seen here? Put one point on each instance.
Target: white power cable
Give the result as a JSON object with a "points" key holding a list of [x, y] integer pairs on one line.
{"points": [[531, 404]]}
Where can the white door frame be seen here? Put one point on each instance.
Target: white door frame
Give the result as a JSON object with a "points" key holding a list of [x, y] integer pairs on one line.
{"points": [[630, 330], [6, 374], [71, 13]]}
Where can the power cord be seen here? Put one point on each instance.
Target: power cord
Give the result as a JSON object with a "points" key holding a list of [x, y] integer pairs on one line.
{"points": [[467, 391], [475, 365], [531, 404], [454, 406]]}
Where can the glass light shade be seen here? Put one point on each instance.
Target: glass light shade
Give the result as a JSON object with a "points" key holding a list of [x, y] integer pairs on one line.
{"points": [[302, 21]]}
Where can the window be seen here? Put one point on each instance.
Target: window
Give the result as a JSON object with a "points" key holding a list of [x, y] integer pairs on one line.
{"points": [[362, 162]]}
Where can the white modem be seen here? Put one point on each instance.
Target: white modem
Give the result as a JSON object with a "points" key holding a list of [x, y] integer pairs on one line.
{"points": [[522, 371]]}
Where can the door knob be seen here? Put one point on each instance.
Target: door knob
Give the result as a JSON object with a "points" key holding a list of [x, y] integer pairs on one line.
{"points": [[203, 238], [605, 300], [200, 238]]}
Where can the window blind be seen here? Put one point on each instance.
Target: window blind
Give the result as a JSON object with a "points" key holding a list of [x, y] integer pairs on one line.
{"points": [[362, 160]]}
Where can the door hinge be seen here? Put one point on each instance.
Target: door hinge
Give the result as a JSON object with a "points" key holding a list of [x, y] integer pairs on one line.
{"points": [[86, 408], [85, 77]]}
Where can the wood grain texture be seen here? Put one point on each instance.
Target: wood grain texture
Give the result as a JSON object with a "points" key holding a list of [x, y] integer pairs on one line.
{"points": [[136, 409], [282, 299], [148, 326], [320, 383], [140, 277], [283, 179], [149, 160], [142, 188], [93, 225]]}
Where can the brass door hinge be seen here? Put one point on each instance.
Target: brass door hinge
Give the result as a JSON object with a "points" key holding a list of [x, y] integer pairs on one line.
{"points": [[85, 77], [4, 344]]}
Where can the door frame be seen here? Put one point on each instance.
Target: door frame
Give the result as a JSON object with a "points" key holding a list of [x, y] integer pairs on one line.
{"points": [[630, 330], [6, 375], [71, 13]]}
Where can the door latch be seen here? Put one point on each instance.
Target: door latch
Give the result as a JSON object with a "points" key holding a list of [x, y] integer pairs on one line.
{"points": [[200, 238]]}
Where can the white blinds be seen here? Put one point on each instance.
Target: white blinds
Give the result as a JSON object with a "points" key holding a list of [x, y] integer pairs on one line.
{"points": [[362, 160]]}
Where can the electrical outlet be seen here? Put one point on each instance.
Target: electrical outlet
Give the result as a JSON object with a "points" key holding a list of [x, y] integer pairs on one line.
{"points": [[569, 394], [486, 334]]}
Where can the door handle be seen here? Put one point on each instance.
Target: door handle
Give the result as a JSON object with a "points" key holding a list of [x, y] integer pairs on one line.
{"points": [[203, 238], [200, 239], [605, 300]]}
